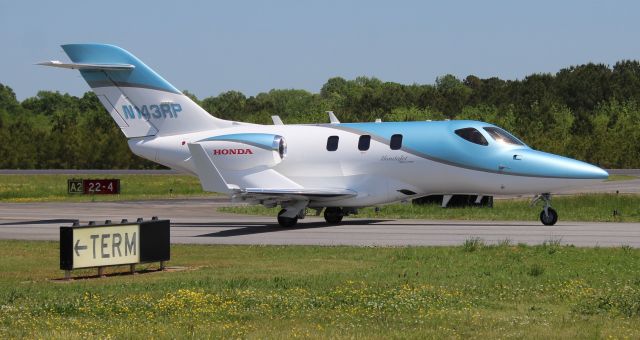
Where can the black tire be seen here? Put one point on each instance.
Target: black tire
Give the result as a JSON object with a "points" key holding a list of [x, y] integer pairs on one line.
{"points": [[549, 219], [286, 222], [333, 215]]}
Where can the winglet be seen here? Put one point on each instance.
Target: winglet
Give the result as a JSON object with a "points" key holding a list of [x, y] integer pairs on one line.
{"points": [[210, 177], [332, 118]]}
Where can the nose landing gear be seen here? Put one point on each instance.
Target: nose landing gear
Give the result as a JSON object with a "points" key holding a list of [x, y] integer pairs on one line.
{"points": [[548, 216]]}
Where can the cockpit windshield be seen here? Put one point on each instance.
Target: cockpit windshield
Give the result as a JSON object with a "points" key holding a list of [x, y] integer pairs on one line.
{"points": [[472, 135], [502, 136]]}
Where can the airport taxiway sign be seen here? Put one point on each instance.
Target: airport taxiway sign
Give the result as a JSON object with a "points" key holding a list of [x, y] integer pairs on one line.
{"points": [[106, 246]]}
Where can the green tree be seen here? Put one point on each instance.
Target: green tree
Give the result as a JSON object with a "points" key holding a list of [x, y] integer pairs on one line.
{"points": [[455, 94]]}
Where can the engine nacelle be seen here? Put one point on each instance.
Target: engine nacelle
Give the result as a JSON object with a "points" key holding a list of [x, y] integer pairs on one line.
{"points": [[246, 150]]}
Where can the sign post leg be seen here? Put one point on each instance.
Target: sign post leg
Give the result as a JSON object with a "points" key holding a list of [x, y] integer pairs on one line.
{"points": [[132, 269], [67, 275], [101, 271], [162, 266]]}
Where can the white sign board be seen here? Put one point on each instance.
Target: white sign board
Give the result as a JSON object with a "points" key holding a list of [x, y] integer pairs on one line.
{"points": [[106, 246]]}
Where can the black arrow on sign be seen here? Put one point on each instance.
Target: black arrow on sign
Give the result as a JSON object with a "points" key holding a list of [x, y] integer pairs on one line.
{"points": [[79, 247]]}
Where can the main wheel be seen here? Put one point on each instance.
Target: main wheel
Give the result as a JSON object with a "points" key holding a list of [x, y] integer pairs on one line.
{"points": [[286, 222], [549, 219], [333, 215]]}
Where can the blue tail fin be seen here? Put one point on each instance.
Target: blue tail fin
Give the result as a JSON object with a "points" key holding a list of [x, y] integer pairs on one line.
{"points": [[140, 101]]}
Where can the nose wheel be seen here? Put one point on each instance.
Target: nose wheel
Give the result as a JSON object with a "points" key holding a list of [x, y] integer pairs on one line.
{"points": [[548, 215]]}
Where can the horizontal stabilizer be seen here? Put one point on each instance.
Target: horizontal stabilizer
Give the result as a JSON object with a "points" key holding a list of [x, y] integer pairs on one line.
{"points": [[82, 66], [210, 177]]}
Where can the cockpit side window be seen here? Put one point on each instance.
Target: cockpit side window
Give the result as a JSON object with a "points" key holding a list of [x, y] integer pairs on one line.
{"points": [[472, 135], [502, 136]]}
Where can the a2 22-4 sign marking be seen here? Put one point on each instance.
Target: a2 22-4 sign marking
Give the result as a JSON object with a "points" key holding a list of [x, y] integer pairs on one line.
{"points": [[93, 186]]}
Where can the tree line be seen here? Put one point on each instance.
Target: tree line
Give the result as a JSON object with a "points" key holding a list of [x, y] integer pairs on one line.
{"points": [[589, 112]]}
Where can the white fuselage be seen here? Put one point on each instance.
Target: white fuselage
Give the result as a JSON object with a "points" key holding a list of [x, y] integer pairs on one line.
{"points": [[377, 175]]}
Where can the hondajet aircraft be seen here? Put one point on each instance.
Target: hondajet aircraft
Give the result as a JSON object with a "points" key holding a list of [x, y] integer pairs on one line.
{"points": [[336, 167]]}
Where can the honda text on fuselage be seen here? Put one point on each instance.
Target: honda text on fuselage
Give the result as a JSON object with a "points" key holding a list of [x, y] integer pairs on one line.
{"points": [[336, 167]]}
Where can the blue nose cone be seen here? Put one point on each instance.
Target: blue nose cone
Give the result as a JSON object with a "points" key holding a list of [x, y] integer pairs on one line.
{"points": [[588, 171], [596, 173], [544, 164]]}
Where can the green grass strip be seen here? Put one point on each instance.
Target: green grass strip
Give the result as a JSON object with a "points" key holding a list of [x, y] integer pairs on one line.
{"points": [[42, 188], [469, 291]]}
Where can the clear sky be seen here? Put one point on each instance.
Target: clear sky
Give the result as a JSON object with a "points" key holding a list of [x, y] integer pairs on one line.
{"points": [[210, 47]]}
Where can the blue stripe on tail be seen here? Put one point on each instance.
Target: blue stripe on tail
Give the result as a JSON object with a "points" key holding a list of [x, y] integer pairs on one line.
{"points": [[141, 76]]}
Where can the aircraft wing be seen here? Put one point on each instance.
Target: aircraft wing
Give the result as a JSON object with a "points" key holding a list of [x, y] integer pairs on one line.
{"points": [[297, 194], [212, 179], [302, 191]]}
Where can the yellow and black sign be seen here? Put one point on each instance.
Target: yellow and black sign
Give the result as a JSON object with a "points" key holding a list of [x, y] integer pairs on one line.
{"points": [[106, 246], [114, 244]]}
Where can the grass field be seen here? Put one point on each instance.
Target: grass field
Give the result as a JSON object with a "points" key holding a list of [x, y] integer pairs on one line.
{"points": [[615, 178], [469, 291], [37, 188], [591, 207]]}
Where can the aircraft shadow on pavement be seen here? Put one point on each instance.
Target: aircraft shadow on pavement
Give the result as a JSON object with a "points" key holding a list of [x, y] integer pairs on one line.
{"points": [[52, 221], [250, 228]]}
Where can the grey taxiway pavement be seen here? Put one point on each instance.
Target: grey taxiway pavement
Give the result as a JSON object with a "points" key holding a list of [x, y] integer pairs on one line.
{"points": [[197, 221]]}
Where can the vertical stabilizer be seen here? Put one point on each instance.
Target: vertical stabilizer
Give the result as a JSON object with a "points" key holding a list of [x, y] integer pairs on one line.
{"points": [[139, 100]]}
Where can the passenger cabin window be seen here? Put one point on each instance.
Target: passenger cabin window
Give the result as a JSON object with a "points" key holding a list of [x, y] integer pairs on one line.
{"points": [[502, 136], [332, 143], [364, 142], [396, 142], [472, 135]]}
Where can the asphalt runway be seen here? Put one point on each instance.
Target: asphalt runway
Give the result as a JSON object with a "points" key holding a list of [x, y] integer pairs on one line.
{"points": [[197, 221]]}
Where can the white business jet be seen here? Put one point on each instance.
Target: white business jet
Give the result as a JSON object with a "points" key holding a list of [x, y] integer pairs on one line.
{"points": [[338, 167]]}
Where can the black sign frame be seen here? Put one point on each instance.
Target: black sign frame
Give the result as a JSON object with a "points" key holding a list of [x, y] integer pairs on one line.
{"points": [[155, 244]]}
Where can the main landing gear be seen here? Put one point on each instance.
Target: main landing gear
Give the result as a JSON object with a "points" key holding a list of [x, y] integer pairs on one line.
{"points": [[548, 216], [291, 212], [333, 215], [286, 222]]}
